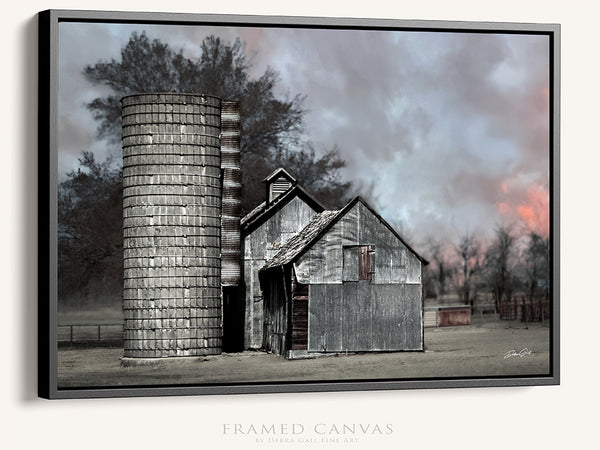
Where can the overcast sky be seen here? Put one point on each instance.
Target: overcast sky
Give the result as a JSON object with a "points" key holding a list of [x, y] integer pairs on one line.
{"points": [[451, 129]]}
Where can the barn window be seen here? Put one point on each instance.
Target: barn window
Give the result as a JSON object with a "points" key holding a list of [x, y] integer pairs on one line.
{"points": [[358, 263]]}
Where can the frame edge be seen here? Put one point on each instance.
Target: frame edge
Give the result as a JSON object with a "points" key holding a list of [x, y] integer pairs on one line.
{"points": [[47, 294]]}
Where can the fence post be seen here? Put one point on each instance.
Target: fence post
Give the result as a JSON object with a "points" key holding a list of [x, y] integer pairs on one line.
{"points": [[99, 332], [71, 336]]}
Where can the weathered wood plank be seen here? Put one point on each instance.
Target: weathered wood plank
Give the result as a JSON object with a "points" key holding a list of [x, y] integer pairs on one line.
{"points": [[364, 262]]}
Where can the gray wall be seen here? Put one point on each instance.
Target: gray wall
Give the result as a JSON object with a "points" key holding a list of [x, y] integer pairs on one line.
{"points": [[381, 314], [360, 316], [259, 246], [392, 261]]}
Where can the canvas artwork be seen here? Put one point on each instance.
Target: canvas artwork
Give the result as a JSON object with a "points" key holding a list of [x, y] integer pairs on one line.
{"points": [[263, 206]]}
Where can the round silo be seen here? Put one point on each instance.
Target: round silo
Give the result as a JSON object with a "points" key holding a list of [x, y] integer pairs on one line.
{"points": [[172, 230]]}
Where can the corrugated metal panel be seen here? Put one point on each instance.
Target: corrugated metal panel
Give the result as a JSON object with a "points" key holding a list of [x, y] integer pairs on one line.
{"points": [[362, 316], [232, 194], [413, 268], [349, 227], [350, 271]]}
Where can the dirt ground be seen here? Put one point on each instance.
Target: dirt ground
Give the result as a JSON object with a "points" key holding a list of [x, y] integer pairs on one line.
{"points": [[450, 352]]}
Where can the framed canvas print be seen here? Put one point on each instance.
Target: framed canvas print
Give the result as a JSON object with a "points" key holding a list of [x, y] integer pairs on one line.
{"points": [[251, 204]]}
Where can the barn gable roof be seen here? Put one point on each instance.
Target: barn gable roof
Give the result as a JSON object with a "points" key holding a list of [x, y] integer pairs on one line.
{"points": [[296, 244], [316, 228], [262, 212]]}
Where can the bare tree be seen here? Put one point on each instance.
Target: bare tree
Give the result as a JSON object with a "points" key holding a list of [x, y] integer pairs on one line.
{"points": [[440, 269], [537, 265], [469, 267], [500, 264]]}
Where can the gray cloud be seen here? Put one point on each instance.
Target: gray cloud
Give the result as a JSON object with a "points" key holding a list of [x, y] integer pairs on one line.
{"points": [[451, 130]]}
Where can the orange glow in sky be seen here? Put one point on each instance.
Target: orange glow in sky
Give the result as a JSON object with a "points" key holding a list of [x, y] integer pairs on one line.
{"points": [[533, 212]]}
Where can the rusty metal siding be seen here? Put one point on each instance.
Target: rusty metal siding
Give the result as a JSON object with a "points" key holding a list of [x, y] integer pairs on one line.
{"points": [[171, 217], [392, 262], [299, 315], [364, 262], [232, 194], [362, 316], [448, 317], [260, 245]]}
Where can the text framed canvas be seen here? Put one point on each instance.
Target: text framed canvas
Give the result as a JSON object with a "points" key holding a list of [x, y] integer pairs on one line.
{"points": [[249, 204]]}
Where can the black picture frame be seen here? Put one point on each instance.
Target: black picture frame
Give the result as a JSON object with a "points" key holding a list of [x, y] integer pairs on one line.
{"points": [[48, 182]]}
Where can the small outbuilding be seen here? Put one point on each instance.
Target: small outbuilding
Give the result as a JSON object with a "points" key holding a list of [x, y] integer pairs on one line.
{"points": [[287, 209], [346, 282]]}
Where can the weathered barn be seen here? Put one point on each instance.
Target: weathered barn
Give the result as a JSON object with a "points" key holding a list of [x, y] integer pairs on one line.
{"points": [[286, 210], [346, 282], [311, 281]]}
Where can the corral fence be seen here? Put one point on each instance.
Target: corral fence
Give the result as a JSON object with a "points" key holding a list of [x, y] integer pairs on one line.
{"points": [[526, 309], [90, 333], [520, 311]]}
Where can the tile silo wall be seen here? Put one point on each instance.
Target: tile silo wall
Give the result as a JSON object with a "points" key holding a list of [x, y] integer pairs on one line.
{"points": [[172, 230]]}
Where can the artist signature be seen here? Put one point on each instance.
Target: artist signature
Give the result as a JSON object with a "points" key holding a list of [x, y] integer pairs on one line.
{"points": [[511, 353]]}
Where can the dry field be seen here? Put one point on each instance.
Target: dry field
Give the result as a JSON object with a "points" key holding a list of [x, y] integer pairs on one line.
{"points": [[450, 352]]}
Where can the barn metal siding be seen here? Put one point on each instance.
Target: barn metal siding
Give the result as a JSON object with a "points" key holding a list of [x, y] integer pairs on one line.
{"points": [[362, 316], [232, 194], [259, 246], [392, 262], [350, 269]]}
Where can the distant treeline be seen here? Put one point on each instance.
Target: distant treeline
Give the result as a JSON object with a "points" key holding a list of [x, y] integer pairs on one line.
{"points": [[508, 265]]}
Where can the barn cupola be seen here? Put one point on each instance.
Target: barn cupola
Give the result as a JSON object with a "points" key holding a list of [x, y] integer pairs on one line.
{"points": [[278, 183]]}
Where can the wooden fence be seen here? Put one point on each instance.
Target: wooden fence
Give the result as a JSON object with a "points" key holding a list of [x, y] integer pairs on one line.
{"points": [[526, 309]]}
